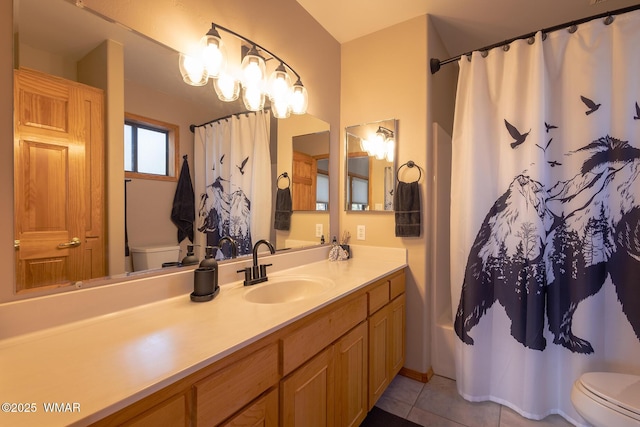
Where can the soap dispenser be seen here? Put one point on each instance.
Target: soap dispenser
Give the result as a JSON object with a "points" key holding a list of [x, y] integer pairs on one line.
{"points": [[205, 279], [209, 258], [191, 258]]}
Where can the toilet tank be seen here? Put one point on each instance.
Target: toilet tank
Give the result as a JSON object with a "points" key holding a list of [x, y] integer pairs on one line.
{"points": [[151, 257]]}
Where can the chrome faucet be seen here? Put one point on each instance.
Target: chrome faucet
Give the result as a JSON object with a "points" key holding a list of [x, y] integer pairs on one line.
{"points": [[257, 273], [232, 243]]}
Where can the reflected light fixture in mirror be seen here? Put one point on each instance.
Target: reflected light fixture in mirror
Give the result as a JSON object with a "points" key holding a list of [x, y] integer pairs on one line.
{"points": [[381, 145], [370, 166], [211, 62]]}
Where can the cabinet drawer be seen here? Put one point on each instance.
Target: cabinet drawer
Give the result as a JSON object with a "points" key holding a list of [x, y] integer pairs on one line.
{"points": [[378, 296], [306, 341], [172, 412], [225, 392], [264, 412], [397, 284]]}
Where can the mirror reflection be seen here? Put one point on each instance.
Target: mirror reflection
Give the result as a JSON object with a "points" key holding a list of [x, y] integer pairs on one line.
{"points": [[303, 154], [139, 81], [370, 166]]}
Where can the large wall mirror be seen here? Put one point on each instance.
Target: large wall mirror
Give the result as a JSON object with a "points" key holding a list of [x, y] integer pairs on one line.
{"points": [[370, 172], [151, 87]]}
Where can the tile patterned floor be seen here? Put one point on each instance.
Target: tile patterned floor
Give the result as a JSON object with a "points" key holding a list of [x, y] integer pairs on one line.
{"points": [[438, 404]]}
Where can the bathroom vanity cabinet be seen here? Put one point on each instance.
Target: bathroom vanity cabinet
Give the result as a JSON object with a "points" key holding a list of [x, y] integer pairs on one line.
{"points": [[327, 368]]}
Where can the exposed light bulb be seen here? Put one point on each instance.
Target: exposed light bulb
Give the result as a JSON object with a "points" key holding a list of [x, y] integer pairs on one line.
{"points": [[279, 86], [253, 98], [253, 69], [214, 59], [299, 98], [280, 108], [391, 150], [193, 70], [227, 87], [365, 145], [214, 54]]}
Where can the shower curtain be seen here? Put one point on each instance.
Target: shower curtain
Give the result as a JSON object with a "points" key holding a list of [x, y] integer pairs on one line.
{"points": [[545, 215], [233, 176]]}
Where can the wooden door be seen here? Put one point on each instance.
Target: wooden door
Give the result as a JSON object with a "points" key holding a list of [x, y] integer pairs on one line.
{"points": [[58, 181], [303, 186], [307, 397], [351, 377]]}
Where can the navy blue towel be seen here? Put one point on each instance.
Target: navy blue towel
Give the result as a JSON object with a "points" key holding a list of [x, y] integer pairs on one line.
{"points": [[183, 213]]}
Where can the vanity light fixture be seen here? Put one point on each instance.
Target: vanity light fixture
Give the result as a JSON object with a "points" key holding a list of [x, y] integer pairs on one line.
{"points": [[381, 145], [251, 79]]}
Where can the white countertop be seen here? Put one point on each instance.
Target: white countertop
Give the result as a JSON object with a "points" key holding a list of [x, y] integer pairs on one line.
{"points": [[104, 363]]}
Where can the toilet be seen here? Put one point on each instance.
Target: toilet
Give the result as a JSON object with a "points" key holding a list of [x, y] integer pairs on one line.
{"points": [[152, 257], [607, 399]]}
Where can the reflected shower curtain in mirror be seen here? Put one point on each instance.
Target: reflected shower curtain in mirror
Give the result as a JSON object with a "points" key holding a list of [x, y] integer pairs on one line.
{"points": [[545, 216], [234, 164]]}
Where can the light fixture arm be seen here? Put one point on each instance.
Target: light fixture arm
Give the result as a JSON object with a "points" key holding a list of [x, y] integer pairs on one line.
{"points": [[254, 44]]}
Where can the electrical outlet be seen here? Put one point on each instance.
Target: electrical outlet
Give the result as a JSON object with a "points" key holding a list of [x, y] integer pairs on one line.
{"points": [[319, 230], [360, 232]]}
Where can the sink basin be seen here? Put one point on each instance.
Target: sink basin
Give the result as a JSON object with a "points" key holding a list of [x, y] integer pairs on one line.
{"points": [[279, 290]]}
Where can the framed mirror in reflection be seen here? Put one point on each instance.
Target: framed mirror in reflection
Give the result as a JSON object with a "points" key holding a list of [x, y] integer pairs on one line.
{"points": [[138, 77], [370, 171]]}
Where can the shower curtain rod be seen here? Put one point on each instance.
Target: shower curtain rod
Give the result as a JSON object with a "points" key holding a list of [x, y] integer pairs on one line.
{"points": [[192, 128], [435, 63]]}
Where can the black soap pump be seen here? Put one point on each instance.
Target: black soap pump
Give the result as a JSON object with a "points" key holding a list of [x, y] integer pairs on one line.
{"points": [[191, 258], [209, 258]]}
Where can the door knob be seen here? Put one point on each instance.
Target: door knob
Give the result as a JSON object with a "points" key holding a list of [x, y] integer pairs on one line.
{"points": [[16, 244], [72, 244]]}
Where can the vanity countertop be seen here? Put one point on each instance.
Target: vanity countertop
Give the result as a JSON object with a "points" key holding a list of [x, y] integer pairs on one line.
{"points": [[97, 366]]}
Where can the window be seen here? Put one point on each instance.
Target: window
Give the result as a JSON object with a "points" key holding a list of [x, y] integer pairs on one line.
{"points": [[150, 148], [322, 192]]}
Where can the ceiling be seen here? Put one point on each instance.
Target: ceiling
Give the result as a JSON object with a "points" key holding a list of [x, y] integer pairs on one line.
{"points": [[463, 25]]}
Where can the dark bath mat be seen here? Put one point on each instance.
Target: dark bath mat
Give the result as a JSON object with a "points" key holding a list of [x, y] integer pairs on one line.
{"points": [[379, 418]]}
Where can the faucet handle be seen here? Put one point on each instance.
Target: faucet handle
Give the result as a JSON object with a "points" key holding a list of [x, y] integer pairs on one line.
{"points": [[247, 274], [263, 269]]}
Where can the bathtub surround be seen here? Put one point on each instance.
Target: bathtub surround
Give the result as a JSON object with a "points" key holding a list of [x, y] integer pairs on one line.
{"points": [[546, 159]]}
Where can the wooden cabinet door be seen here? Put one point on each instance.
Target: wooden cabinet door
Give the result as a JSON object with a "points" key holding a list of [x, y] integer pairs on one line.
{"points": [[397, 310], [352, 365], [379, 331], [58, 181], [307, 395]]}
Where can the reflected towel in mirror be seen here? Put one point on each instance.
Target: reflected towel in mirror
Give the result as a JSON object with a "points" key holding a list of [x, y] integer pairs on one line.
{"points": [[183, 213], [284, 207]]}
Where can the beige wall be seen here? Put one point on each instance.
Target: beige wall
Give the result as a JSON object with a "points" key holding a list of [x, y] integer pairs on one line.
{"points": [[386, 75], [284, 27]]}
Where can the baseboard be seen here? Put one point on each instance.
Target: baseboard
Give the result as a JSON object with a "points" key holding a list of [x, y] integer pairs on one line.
{"points": [[415, 375]]}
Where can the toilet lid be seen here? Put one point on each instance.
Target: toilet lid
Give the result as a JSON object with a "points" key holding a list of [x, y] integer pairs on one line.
{"points": [[622, 390]]}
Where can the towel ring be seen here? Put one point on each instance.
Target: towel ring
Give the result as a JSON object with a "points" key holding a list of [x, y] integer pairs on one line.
{"points": [[283, 175], [409, 164]]}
